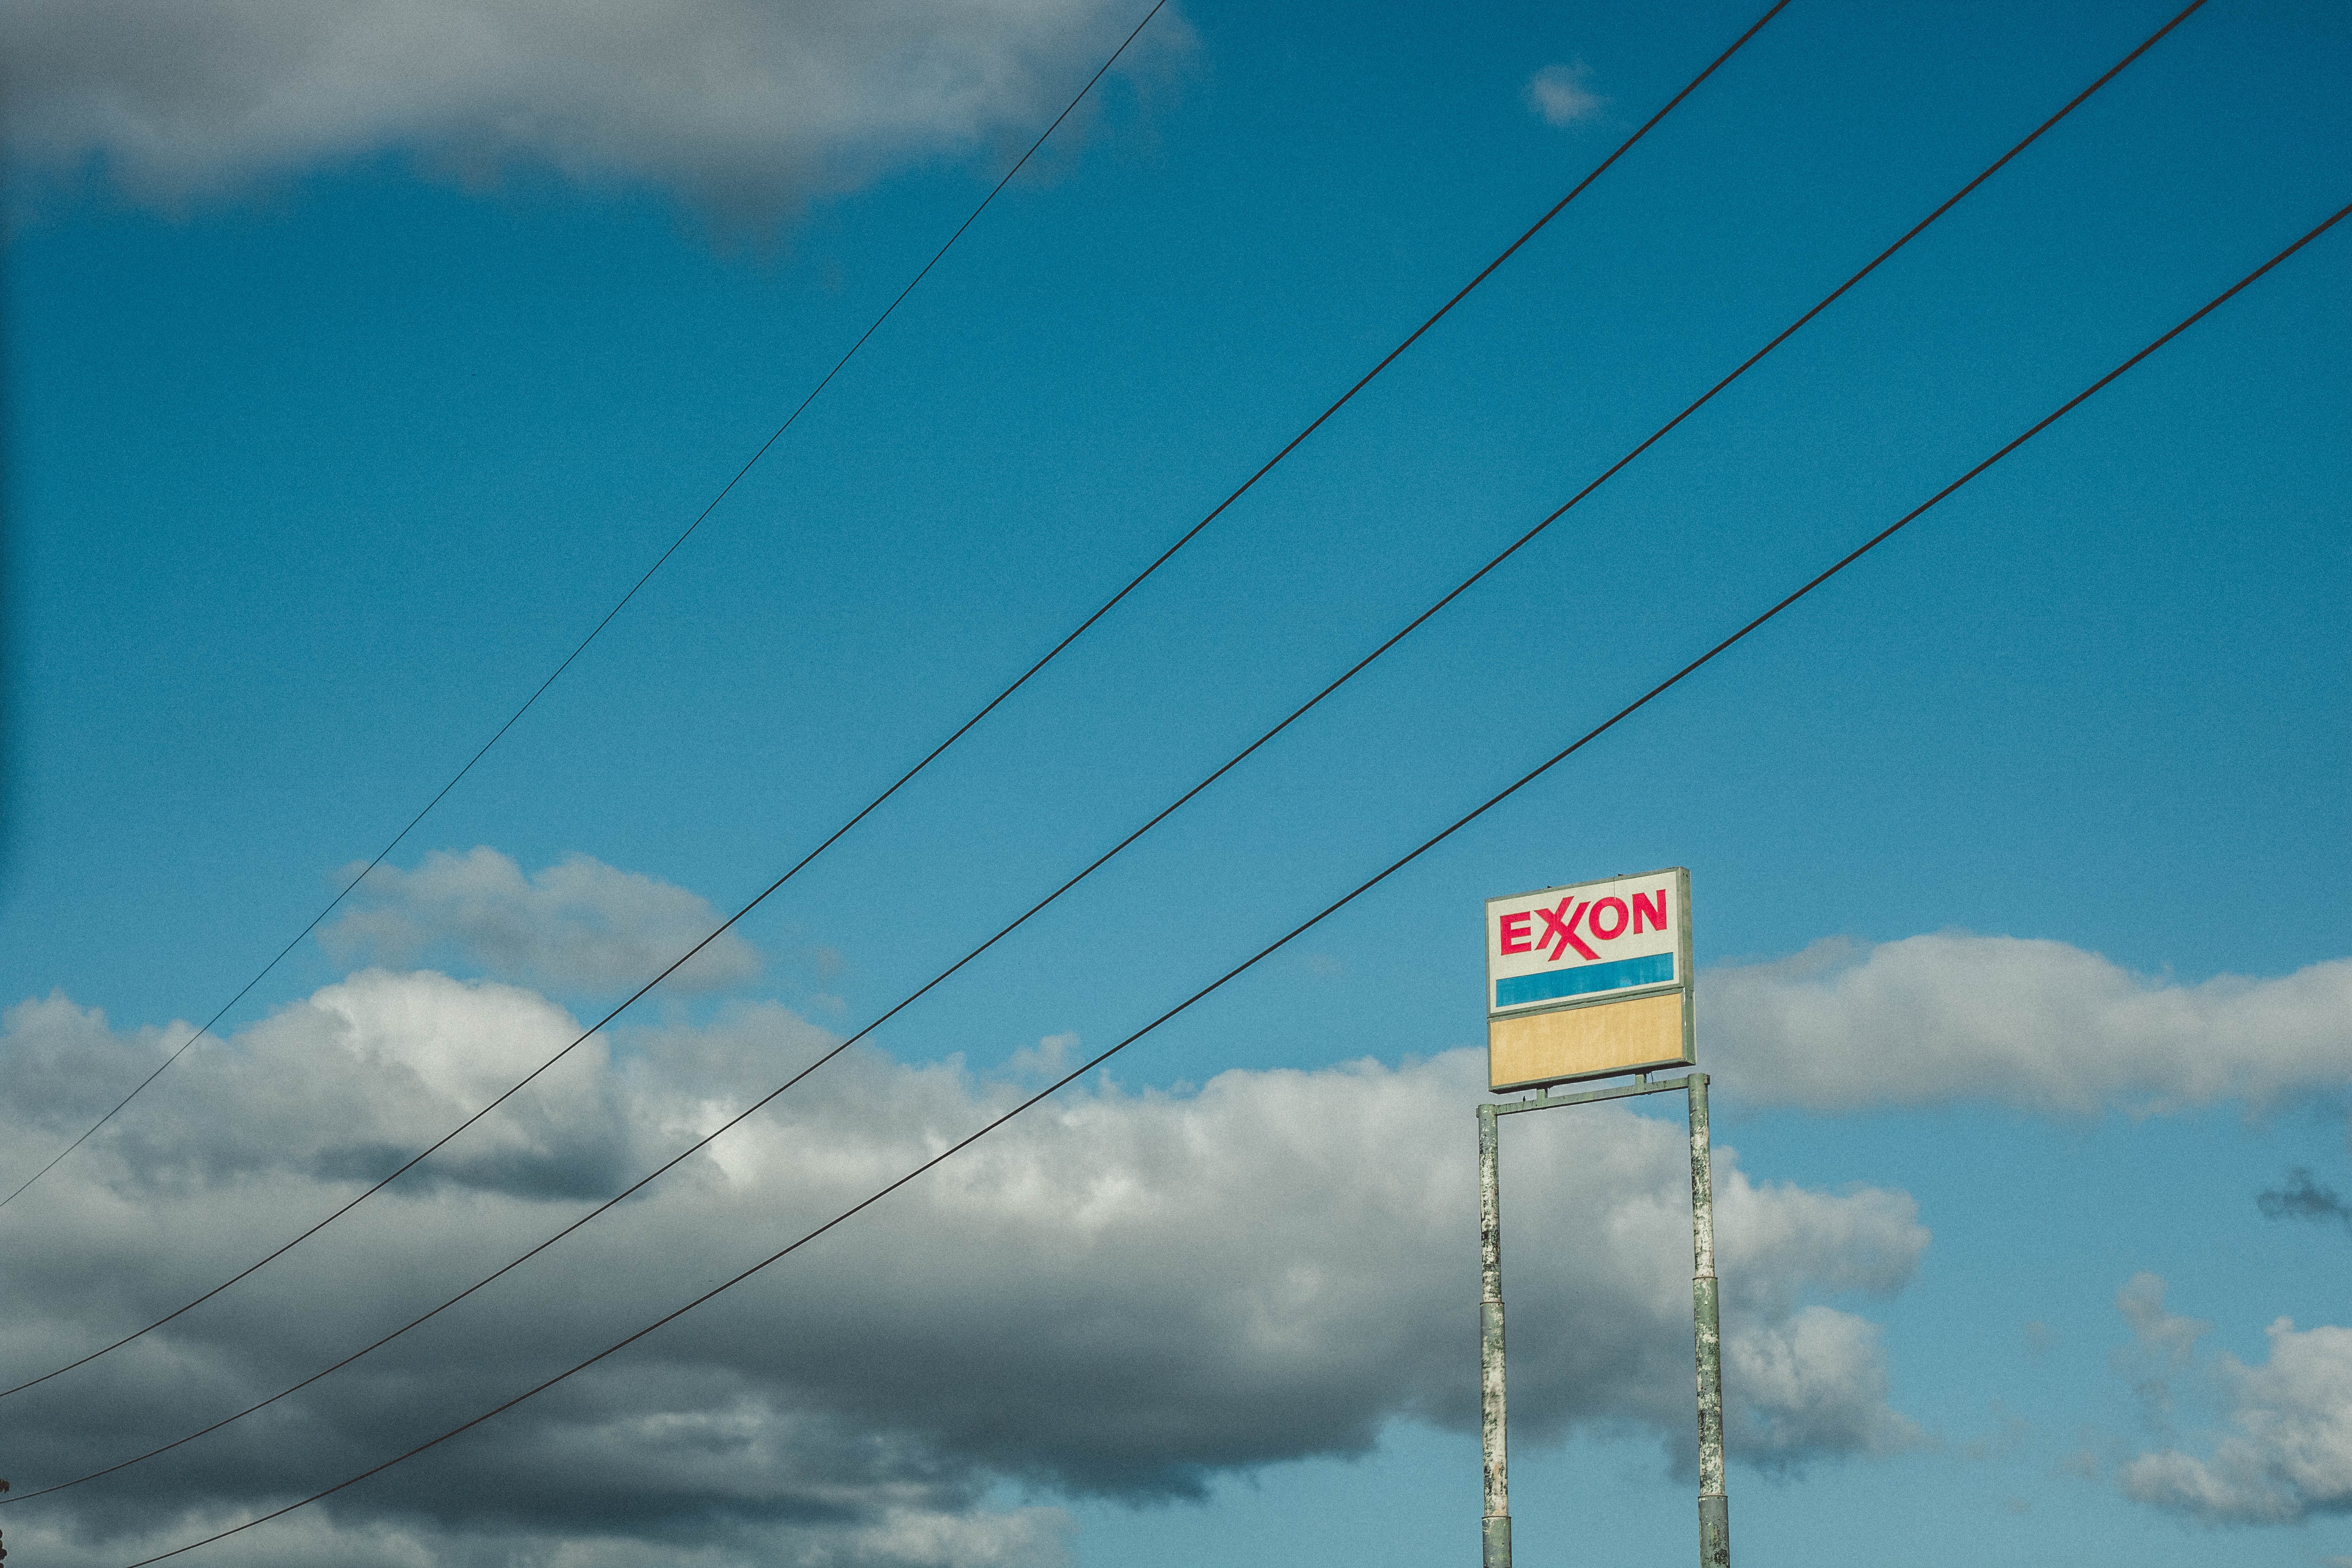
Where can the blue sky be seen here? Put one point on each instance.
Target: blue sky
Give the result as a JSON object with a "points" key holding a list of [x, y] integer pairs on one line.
{"points": [[330, 438]]}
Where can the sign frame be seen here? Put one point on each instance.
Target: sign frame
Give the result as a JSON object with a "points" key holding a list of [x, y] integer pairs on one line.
{"points": [[1680, 985]]}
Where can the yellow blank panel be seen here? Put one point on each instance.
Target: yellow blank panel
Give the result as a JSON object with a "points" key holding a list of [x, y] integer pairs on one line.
{"points": [[1614, 1037]]}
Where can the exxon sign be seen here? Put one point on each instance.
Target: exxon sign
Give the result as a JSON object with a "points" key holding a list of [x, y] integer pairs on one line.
{"points": [[1591, 946]]}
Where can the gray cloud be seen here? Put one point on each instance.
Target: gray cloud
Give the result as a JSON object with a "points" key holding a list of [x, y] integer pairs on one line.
{"points": [[2303, 1198], [749, 105], [2039, 1025], [2287, 1452], [1122, 1295], [581, 925]]}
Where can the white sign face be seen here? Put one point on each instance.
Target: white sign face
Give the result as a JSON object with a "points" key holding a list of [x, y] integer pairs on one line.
{"points": [[1567, 946]]}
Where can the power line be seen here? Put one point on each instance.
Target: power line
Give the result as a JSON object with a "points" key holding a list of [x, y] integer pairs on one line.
{"points": [[659, 561], [1329, 910], [1173, 806], [904, 778]]}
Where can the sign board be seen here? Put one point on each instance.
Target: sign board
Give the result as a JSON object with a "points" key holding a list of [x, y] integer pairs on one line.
{"points": [[1590, 980]]}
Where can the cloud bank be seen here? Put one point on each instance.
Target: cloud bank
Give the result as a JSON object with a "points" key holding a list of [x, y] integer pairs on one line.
{"points": [[581, 925], [1121, 1296], [2036, 1025], [746, 105]]}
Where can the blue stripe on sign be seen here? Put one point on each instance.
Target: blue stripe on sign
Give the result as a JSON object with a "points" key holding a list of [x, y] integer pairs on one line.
{"points": [[1655, 969]]}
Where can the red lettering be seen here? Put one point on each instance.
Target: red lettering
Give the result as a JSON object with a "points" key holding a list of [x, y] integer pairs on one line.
{"points": [[1565, 929], [1613, 933], [1656, 912], [1515, 931]]}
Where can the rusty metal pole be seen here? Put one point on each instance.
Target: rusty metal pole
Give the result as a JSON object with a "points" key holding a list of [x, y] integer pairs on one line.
{"points": [[1496, 1535], [1714, 1511]]}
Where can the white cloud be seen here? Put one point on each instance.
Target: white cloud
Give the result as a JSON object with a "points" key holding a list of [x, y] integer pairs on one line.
{"points": [[1814, 1383], [338, 1089], [1122, 1294], [1564, 95], [2288, 1454], [2038, 1026], [2171, 1338], [748, 104], [2164, 1346], [581, 925], [1051, 1056]]}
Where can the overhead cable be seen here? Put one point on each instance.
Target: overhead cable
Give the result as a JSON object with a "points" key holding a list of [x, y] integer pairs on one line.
{"points": [[1236, 761], [904, 778], [619, 605], [1308, 924]]}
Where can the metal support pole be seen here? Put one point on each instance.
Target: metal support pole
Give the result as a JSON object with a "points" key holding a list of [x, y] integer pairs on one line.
{"points": [[1714, 1512], [1497, 1547]]}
